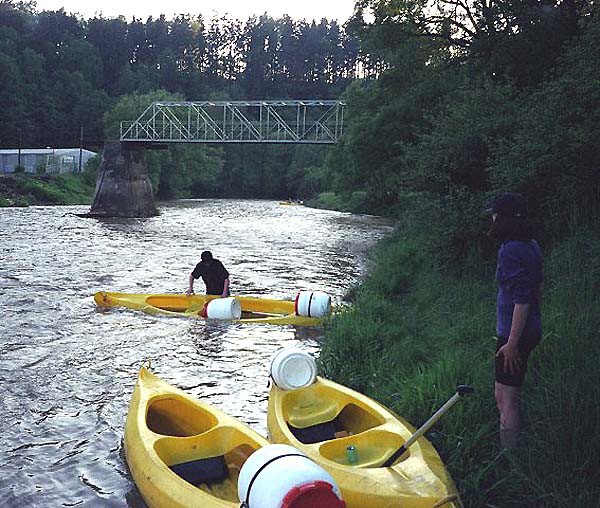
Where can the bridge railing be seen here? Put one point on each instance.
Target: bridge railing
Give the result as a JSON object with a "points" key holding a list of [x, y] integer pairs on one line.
{"points": [[285, 121]]}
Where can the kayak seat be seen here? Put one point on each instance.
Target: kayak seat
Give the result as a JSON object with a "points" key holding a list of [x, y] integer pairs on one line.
{"points": [[196, 472], [318, 432], [304, 415]]}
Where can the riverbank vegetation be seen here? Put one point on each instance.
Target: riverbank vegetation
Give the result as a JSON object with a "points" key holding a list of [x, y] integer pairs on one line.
{"points": [[417, 328], [23, 189], [507, 101]]}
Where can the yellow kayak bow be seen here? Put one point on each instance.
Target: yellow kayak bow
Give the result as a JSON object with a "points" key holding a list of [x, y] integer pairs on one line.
{"points": [[181, 452]]}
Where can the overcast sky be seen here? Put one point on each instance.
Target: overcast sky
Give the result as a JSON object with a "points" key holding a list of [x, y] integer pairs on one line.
{"points": [[240, 9]]}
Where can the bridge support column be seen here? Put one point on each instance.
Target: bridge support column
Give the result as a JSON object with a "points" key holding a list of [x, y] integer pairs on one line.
{"points": [[123, 188]]}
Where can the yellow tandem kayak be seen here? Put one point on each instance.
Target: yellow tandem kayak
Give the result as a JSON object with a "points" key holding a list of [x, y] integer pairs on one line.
{"points": [[323, 419], [182, 452], [254, 310]]}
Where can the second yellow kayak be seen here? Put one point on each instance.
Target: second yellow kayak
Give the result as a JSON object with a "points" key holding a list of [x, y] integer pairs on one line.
{"points": [[254, 310], [325, 418]]}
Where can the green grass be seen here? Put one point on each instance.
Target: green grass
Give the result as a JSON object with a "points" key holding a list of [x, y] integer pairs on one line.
{"points": [[65, 189], [414, 332]]}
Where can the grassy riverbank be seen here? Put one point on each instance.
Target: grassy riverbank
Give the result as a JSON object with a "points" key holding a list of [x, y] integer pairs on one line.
{"points": [[65, 189], [415, 330]]}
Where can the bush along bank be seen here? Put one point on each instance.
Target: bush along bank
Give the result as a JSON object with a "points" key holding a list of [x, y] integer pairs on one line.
{"points": [[414, 331], [65, 189]]}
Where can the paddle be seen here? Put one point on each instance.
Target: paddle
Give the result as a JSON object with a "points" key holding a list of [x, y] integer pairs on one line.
{"points": [[461, 390]]}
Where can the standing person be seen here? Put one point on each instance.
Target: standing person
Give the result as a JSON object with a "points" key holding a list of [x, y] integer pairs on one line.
{"points": [[213, 273], [518, 319]]}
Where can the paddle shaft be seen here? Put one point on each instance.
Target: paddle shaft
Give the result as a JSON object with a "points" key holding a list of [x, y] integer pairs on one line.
{"points": [[462, 390]]}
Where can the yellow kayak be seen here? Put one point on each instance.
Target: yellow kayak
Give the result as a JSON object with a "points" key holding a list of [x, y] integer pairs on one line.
{"points": [[182, 452], [254, 310], [323, 419]]}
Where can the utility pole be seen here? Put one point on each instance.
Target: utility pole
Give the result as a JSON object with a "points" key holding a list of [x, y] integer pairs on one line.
{"points": [[20, 143], [80, 146]]}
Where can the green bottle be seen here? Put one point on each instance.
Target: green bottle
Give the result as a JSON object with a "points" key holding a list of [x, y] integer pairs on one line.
{"points": [[352, 454]]}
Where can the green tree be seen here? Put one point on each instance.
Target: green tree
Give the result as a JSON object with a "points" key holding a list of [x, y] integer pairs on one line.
{"points": [[81, 56], [12, 105], [552, 153], [516, 39], [109, 37], [79, 104]]}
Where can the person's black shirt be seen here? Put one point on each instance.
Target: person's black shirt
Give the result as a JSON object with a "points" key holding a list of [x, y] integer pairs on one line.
{"points": [[213, 274]]}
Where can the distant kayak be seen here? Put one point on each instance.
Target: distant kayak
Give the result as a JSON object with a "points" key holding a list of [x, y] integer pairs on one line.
{"points": [[350, 435], [291, 202], [182, 452], [254, 310]]}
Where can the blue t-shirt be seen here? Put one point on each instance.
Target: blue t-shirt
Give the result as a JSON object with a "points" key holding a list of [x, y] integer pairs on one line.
{"points": [[519, 274]]}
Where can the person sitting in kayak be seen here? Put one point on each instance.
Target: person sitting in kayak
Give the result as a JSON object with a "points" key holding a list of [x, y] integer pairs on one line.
{"points": [[213, 273]]}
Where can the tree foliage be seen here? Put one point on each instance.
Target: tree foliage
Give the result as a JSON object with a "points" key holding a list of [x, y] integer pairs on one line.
{"points": [[478, 98]]}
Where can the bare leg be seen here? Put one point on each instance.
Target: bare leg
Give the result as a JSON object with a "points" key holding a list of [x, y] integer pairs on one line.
{"points": [[507, 399]]}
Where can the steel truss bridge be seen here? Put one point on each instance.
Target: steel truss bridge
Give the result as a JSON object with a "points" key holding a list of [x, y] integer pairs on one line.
{"points": [[284, 121]]}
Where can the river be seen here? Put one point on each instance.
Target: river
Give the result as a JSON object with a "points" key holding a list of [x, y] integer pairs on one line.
{"points": [[67, 368]]}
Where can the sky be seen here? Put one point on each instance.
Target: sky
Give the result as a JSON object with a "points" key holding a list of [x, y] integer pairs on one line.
{"points": [[240, 9]]}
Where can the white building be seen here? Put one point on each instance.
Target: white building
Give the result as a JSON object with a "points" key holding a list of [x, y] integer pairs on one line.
{"points": [[44, 160]]}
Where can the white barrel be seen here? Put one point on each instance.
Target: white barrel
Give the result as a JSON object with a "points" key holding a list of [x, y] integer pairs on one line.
{"points": [[312, 304], [276, 472], [292, 368], [224, 308]]}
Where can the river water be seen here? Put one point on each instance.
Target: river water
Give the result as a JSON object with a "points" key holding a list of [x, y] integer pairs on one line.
{"points": [[67, 369]]}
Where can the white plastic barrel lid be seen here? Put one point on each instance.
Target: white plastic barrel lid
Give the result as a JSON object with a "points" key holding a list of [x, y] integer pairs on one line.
{"points": [[292, 368]]}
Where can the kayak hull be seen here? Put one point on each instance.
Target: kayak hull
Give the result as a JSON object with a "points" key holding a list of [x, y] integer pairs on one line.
{"points": [[254, 310], [166, 427], [307, 418]]}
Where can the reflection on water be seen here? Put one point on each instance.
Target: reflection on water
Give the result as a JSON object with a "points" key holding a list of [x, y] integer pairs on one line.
{"points": [[68, 369]]}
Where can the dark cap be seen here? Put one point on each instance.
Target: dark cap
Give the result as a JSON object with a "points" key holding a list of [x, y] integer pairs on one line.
{"points": [[509, 204], [206, 255]]}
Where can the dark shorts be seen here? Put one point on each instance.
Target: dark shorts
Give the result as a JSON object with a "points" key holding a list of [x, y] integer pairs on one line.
{"points": [[526, 346]]}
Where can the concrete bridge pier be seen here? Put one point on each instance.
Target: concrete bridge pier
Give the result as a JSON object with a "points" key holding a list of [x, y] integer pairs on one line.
{"points": [[123, 188]]}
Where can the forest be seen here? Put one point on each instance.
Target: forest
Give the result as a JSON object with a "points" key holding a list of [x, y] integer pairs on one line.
{"points": [[59, 72]]}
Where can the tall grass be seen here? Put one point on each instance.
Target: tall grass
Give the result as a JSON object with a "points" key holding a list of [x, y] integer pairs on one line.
{"points": [[65, 189], [68, 189], [414, 332]]}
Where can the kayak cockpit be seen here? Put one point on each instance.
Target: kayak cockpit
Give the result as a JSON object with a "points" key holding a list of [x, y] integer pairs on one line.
{"points": [[174, 416], [174, 303], [317, 416], [197, 447]]}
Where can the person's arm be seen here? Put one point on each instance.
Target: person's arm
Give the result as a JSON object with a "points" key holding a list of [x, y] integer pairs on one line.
{"points": [[190, 289], [510, 350], [225, 287]]}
